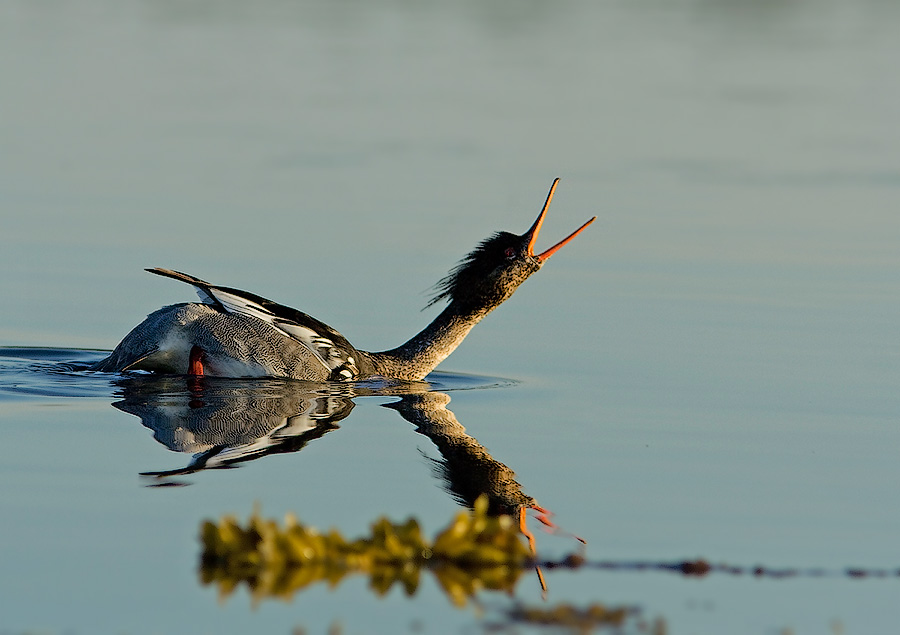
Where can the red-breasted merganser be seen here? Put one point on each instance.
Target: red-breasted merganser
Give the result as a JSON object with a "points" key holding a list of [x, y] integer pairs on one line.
{"points": [[233, 333]]}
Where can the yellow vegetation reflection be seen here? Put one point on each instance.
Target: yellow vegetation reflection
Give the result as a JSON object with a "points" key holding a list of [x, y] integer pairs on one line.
{"points": [[475, 551]]}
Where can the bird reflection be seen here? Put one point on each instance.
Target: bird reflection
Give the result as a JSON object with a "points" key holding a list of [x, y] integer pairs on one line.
{"points": [[223, 422], [466, 466]]}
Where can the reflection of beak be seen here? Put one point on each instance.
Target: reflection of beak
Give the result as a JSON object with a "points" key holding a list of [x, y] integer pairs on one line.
{"points": [[532, 233], [543, 516], [523, 527]]}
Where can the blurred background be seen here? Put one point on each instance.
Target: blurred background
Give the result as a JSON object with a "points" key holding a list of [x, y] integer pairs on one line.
{"points": [[710, 370]]}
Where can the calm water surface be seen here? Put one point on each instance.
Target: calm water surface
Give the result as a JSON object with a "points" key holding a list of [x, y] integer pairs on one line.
{"points": [[710, 370]]}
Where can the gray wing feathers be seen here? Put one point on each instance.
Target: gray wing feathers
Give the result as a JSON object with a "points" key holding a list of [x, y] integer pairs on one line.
{"points": [[234, 301]]}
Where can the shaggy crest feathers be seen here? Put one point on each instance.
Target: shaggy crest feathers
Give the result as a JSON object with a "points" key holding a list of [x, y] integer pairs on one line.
{"points": [[475, 267]]}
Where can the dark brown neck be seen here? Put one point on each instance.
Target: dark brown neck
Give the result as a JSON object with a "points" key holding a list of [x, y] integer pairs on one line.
{"points": [[421, 354]]}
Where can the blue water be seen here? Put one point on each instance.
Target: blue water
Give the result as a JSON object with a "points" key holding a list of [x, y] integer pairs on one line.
{"points": [[709, 371]]}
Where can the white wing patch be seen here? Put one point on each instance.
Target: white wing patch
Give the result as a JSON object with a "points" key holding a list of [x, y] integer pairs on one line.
{"points": [[323, 347], [237, 304]]}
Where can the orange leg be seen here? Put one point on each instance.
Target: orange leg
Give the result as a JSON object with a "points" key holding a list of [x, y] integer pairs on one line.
{"points": [[194, 377], [195, 365]]}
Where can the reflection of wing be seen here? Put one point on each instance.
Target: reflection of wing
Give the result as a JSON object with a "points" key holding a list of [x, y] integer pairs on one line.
{"points": [[224, 424], [329, 347]]}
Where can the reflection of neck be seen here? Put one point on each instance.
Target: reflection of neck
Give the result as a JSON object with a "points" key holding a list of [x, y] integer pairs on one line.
{"points": [[421, 354], [469, 468]]}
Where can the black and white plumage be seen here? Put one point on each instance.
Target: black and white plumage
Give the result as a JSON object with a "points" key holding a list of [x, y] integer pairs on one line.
{"points": [[240, 334], [233, 333]]}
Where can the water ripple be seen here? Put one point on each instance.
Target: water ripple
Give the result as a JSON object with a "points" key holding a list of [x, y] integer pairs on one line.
{"points": [[33, 372]]}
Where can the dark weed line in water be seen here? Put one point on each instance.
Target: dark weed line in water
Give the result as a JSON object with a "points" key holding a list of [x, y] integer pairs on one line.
{"points": [[700, 567]]}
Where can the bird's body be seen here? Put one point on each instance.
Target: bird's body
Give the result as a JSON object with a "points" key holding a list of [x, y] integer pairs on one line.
{"points": [[234, 333], [232, 345]]}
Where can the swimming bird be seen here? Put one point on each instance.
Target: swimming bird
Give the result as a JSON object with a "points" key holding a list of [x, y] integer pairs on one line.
{"points": [[233, 333]]}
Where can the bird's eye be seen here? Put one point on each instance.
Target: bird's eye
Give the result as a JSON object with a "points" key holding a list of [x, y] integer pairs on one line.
{"points": [[510, 253]]}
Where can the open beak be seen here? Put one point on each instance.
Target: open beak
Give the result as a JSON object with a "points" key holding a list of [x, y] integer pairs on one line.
{"points": [[532, 233]]}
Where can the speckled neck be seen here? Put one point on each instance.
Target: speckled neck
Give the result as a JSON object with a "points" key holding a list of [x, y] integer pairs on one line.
{"points": [[421, 354]]}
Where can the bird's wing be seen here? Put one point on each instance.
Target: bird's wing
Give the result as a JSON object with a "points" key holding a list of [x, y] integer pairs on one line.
{"points": [[328, 346]]}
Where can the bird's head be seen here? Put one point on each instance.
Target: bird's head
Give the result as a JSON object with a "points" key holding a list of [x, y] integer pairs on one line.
{"points": [[495, 268]]}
